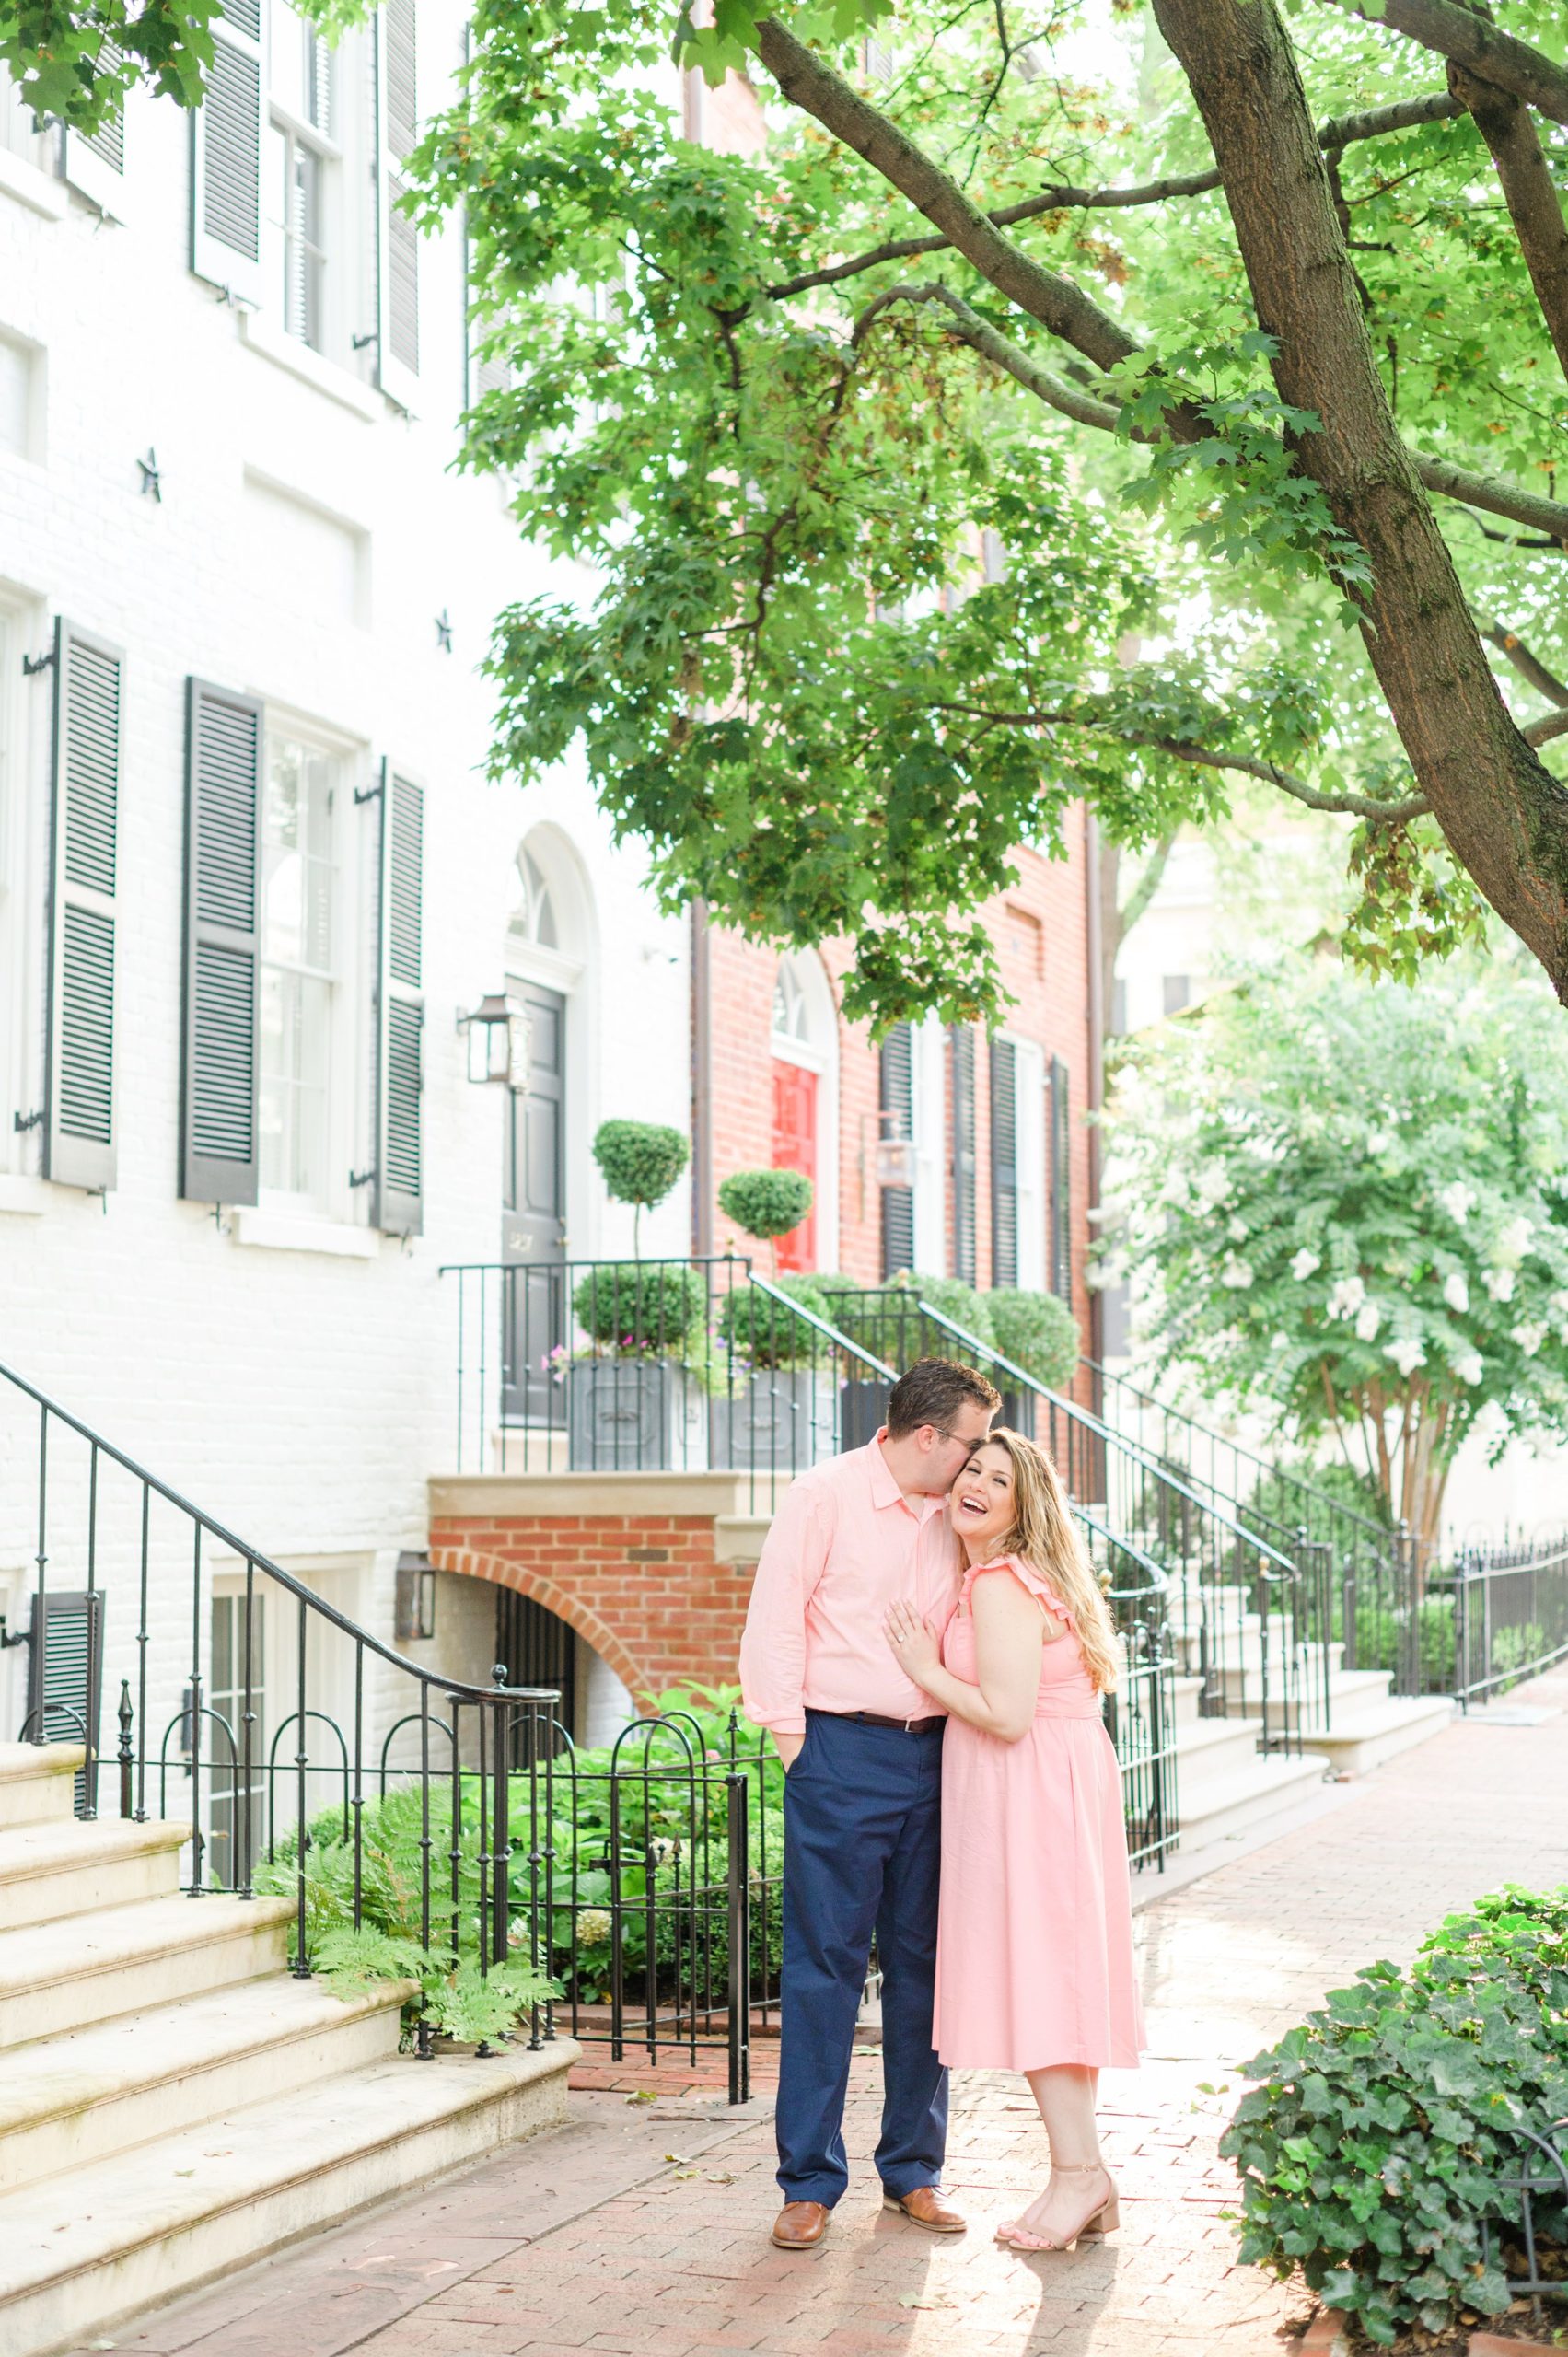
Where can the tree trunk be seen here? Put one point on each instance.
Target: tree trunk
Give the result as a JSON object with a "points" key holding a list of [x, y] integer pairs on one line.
{"points": [[1503, 812], [1508, 128]]}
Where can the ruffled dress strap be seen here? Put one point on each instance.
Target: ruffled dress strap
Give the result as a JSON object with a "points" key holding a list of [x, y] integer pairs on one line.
{"points": [[1028, 1577]]}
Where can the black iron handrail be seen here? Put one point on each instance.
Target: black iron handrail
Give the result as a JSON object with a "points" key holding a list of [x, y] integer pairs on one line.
{"points": [[238, 1776], [823, 1325]]}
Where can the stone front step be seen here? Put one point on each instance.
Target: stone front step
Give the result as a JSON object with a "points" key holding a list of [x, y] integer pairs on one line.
{"points": [[1367, 1736], [81, 2251], [51, 1870], [91, 1969], [1214, 1748], [1220, 1808], [37, 1783], [85, 2095]]}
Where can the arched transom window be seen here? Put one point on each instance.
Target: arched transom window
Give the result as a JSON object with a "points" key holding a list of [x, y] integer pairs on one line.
{"points": [[791, 1017], [534, 920]]}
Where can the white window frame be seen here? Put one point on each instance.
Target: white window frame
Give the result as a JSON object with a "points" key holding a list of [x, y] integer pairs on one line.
{"points": [[818, 1053], [1029, 1147], [348, 219], [928, 1088], [347, 1111]]}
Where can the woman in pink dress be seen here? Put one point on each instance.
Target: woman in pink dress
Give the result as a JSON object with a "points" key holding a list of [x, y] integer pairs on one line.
{"points": [[1034, 1963]]}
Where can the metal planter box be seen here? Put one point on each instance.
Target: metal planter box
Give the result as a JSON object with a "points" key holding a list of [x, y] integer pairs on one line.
{"points": [[862, 1407], [779, 1421], [633, 1416]]}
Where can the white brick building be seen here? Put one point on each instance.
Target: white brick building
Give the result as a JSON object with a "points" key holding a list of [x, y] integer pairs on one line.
{"points": [[230, 381]]}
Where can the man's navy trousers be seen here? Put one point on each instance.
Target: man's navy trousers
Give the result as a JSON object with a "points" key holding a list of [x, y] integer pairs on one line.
{"points": [[863, 1844]]}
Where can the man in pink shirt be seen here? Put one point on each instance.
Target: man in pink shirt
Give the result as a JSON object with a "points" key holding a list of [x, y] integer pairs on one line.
{"points": [[862, 1748]]}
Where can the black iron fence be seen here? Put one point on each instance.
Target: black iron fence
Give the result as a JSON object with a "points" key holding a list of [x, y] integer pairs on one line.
{"points": [[1362, 1574], [699, 1365], [1499, 1616], [422, 1827]]}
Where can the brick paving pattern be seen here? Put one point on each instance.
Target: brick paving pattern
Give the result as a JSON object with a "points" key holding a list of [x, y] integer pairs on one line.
{"points": [[642, 2227]]}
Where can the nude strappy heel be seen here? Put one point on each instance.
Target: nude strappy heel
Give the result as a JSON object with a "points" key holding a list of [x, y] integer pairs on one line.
{"points": [[1102, 2216]]}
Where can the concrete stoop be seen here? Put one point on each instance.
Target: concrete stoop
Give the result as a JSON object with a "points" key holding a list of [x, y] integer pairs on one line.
{"points": [[173, 2103]]}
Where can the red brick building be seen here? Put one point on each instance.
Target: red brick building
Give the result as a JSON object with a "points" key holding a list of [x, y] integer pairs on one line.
{"points": [[993, 1128]]}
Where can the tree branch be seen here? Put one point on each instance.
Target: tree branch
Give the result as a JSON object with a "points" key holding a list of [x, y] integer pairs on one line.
{"points": [[1499, 57], [1353, 806], [1045, 295], [1541, 732], [1508, 128], [1338, 132], [1528, 508], [1528, 664], [1148, 884]]}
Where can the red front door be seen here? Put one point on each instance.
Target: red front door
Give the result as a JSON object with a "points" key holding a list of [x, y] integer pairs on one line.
{"points": [[794, 1148]]}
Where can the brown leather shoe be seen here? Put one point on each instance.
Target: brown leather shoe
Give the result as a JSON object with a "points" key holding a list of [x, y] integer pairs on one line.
{"points": [[800, 2226], [925, 2207]]}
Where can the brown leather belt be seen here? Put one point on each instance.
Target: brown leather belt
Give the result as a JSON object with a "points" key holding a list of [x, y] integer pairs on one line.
{"points": [[870, 1719]]}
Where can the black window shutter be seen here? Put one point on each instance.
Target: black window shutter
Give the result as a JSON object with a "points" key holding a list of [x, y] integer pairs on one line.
{"points": [[219, 1158], [225, 156], [897, 1106], [78, 1124], [962, 1041], [1004, 1163], [1061, 1180], [397, 121], [398, 1206]]}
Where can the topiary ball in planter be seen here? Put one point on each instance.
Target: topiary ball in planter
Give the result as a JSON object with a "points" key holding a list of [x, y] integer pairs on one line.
{"points": [[1038, 1332], [641, 1305], [960, 1302], [767, 1204], [755, 1326], [639, 1161]]}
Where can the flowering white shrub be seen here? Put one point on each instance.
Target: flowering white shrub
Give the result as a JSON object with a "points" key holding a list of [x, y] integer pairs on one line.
{"points": [[1397, 1163]]}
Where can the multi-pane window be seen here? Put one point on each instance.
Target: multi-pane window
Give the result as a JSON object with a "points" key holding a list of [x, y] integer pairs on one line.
{"points": [[235, 1736], [298, 974], [302, 155], [22, 132]]}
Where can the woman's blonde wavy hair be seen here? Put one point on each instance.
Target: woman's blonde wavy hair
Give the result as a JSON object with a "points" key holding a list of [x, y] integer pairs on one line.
{"points": [[1044, 1536]]}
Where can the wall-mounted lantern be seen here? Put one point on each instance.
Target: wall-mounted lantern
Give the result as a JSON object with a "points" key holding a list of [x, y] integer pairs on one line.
{"points": [[413, 1612], [498, 1039]]}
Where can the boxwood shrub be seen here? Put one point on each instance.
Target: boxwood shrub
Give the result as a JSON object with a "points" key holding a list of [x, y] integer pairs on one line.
{"points": [[755, 1326], [641, 1305], [1370, 2154]]}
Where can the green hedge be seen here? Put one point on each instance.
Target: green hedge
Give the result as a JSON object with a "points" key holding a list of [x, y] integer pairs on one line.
{"points": [[1369, 2156], [756, 1328]]}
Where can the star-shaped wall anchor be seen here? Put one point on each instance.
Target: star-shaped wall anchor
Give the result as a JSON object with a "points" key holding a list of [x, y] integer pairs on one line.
{"points": [[152, 482], [444, 631]]}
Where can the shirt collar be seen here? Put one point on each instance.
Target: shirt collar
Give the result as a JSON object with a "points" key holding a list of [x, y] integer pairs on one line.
{"points": [[885, 1490]]}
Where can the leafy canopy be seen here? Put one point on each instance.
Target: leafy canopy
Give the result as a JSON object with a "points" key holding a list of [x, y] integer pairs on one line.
{"points": [[1348, 1205]]}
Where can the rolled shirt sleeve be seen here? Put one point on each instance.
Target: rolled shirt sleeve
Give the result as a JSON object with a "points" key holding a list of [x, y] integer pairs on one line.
{"points": [[773, 1649]]}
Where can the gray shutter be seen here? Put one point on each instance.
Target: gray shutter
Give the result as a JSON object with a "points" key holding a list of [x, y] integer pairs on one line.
{"points": [[78, 1125], [94, 161], [219, 1161], [896, 1101], [1061, 1235], [65, 1667], [225, 156], [962, 1051], [1004, 1163], [397, 241], [398, 1206]]}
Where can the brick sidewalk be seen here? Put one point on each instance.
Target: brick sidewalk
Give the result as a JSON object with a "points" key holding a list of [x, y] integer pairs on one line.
{"points": [[642, 2229]]}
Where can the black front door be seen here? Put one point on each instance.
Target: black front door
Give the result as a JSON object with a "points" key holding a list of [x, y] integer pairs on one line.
{"points": [[533, 1225]]}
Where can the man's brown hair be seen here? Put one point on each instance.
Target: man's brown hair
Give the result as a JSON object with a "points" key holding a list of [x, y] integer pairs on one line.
{"points": [[932, 1392]]}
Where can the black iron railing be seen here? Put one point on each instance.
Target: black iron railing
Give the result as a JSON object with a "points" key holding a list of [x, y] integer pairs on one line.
{"points": [[696, 1366], [283, 1737], [1241, 1615], [1364, 1571], [1526, 2237], [1498, 1616], [1140, 1713]]}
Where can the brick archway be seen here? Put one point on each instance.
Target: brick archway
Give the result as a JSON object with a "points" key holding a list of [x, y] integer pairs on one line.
{"points": [[503, 1571]]}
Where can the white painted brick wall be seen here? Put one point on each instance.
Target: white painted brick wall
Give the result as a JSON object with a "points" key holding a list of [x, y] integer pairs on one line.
{"points": [[303, 1400]]}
